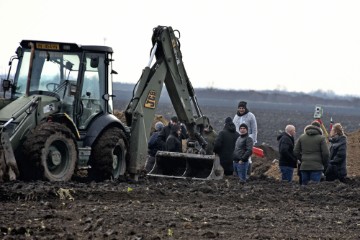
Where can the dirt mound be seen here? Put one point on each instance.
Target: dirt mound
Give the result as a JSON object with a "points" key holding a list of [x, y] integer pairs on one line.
{"points": [[121, 115], [353, 153], [262, 165]]}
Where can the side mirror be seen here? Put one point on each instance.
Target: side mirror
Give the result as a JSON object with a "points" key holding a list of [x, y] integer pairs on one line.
{"points": [[69, 65], [107, 96], [94, 62], [19, 52], [6, 84]]}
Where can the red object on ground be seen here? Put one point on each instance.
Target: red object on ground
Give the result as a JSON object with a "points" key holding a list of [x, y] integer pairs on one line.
{"points": [[258, 152]]}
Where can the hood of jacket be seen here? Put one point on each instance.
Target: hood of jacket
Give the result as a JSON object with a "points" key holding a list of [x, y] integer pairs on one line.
{"points": [[230, 127], [312, 130], [282, 135]]}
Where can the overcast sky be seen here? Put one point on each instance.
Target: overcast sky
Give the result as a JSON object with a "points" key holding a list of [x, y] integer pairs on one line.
{"points": [[288, 45]]}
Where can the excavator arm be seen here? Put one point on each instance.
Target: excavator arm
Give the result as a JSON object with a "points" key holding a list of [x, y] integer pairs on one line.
{"points": [[178, 85], [169, 70]]}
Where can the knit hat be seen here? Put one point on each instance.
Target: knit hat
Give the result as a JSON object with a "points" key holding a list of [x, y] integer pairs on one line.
{"points": [[244, 126], [228, 120], [174, 119], [338, 129], [316, 124], [159, 126], [242, 104]]}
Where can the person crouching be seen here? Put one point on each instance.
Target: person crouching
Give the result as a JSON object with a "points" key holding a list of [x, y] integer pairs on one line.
{"points": [[242, 152]]}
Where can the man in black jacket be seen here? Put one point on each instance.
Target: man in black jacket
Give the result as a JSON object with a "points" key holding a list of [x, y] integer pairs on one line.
{"points": [[225, 144], [287, 161], [173, 142]]}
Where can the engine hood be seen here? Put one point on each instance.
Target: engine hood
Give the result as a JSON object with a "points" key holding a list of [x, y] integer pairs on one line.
{"points": [[18, 107]]}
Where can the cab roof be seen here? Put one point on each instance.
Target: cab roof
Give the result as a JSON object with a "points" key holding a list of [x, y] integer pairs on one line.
{"points": [[63, 46]]}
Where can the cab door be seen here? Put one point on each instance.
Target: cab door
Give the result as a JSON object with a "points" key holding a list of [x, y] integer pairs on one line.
{"points": [[91, 102]]}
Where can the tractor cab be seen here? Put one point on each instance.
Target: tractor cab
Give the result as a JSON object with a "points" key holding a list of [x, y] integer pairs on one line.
{"points": [[76, 77]]}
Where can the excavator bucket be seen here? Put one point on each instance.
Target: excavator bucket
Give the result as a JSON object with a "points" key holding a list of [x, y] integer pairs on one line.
{"points": [[187, 165]]}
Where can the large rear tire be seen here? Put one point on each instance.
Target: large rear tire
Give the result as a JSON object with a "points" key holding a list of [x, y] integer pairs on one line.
{"points": [[50, 153], [107, 159]]}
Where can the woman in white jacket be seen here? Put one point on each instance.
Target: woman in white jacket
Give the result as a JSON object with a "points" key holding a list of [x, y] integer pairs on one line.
{"points": [[243, 115]]}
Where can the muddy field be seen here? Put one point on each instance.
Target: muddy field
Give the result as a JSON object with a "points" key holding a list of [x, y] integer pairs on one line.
{"points": [[157, 208]]}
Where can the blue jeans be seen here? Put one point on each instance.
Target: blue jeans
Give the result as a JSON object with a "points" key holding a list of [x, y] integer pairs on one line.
{"points": [[241, 170], [286, 173], [308, 175]]}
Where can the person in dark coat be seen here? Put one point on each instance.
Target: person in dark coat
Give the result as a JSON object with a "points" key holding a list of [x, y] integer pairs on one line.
{"points": [[210, 137], [287, 161], [312, 150], [225, 144], [154, 145], [242, 152], [173, 142], [337, 164], [165, 132]]}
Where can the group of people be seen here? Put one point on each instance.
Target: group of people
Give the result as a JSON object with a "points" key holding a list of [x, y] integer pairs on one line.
{"points": [[235, 142], [312, 155], [165, 138]]}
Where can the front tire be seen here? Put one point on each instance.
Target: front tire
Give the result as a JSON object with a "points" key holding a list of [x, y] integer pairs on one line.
{"points": [[50, 153], [107, 159]]}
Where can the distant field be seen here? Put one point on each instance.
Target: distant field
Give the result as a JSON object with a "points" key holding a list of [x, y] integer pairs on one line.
{"points": [[271, 117]]}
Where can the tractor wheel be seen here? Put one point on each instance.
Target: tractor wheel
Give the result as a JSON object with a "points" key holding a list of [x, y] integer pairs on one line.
{"points": [[107, 159], [50, 153]]}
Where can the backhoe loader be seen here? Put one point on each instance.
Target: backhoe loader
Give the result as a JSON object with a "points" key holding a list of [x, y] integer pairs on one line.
{"points": [[59, 116]]}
